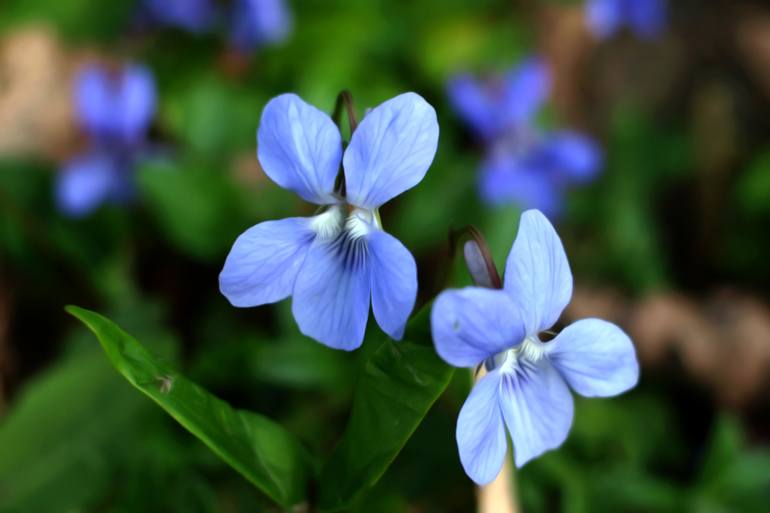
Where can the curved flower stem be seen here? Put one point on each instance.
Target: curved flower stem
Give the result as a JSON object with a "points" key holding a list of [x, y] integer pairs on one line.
{"points": [[346, 99]]}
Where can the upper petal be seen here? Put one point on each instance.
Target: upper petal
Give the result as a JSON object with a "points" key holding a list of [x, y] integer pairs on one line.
{"points": [[595, 357], [570, 155], [480, 432], [135, 103], [256, 22], [93, 102], [526, 88], [648, 17], [472, 324], [299, 148], [537, 274], [86, 182], [605, 17], [470, 100], [263, 263], [331, 294], [537, 407], [390, 150], [394, 282]]}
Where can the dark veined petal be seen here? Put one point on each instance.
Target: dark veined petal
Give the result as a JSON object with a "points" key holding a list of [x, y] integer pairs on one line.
{"points": [[86, 182], [537, 274], [537, 407], [480, 431], [332, 291], [595, 357], [299, 148], [394, 282], [472, 324], [263, 263], [390, 151]]}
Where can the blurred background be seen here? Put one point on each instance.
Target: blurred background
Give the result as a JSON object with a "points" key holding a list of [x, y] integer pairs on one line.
{"points": [[669, 239]]}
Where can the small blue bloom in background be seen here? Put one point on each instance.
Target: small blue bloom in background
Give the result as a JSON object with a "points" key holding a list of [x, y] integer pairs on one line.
{"points": [[340, 261], [523, 165], [115, 109], [646, 18], [526, 385], [191, 15], [259, 22]]}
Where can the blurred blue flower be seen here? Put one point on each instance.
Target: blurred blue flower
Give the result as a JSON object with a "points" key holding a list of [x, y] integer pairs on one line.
{"points": [[646, 18], [115, 109], [523, 165], [190, 15], [259, 22], [526, 385], [338, 262]]}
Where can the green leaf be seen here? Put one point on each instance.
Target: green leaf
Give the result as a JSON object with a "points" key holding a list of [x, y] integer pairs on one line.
{"points": [[260, 449], [399, 383]]}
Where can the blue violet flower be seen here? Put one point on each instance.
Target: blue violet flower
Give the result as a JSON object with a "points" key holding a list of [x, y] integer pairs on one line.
{"points": [[115, 109], [646, 18], [527, 381], [523, 165], [338, 262]]}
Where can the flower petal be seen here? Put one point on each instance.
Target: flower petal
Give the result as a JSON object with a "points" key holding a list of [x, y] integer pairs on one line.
{"points": [[537, 407], [570, 155], [394, 282], [472, 103], [605, 17], [537, 274], [648, 17], [331, 295], [255, 22], [480, 431], [472, 324], [527, 87], [508, 178], [263, 263], [390, 151], [86, 182], [93, 102], [135, 104], [299, 148], [595, 357]]}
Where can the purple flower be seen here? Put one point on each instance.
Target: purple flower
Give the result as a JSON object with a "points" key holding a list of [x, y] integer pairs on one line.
{"points": [[523, 165], [115, 110], [338, 262], [257, 22], [646, 18], [190, 15], [527, 383]]}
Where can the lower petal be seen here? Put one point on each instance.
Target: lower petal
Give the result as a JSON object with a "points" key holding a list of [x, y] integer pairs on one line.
{"points": [[537, 407], [331, 295], [85, 183], [595, 357], [394, 282], [263, 264], [480, 431]]}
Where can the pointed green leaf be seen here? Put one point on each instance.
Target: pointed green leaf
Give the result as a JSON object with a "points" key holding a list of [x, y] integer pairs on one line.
{"points": [[399, 383], [261, 450]]}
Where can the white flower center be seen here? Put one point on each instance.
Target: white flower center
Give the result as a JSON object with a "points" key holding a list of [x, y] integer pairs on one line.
{"points": [[328, 224], [531, 350], [361, 222]]}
